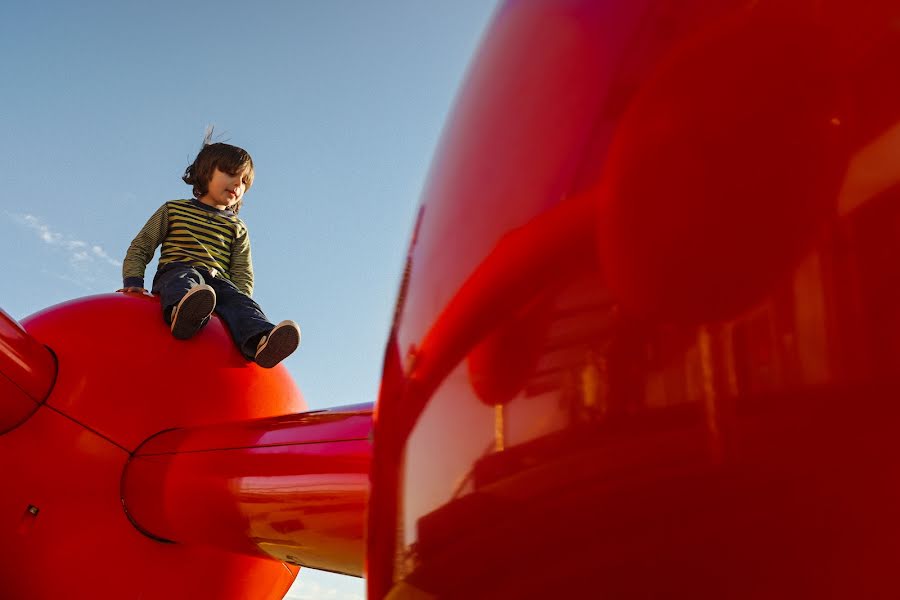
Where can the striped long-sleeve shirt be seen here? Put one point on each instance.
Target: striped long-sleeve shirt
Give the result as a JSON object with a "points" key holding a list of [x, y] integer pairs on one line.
{"points": [[196, 234]]}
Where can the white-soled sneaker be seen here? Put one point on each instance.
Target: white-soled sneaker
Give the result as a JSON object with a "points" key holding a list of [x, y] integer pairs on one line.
{"points": [[278, 345], [192, 311]]}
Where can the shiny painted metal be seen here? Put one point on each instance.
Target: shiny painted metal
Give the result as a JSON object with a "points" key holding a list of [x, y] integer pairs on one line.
{"points": [[291, 487], [146, 382], [122, 378], [647, 342], [27, 373]]}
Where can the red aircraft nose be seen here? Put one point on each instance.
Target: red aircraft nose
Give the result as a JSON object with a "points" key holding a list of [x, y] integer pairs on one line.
{"points": [[122, 378]]}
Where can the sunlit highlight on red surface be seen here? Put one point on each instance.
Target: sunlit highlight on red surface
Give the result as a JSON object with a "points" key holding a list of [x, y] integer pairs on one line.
{"points": [[293, 487], [687, 389]]}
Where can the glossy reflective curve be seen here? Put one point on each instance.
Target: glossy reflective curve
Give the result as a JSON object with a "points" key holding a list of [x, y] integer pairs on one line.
{"points": [[648, 341], [27, 373], [61, 507], [293, 488]]}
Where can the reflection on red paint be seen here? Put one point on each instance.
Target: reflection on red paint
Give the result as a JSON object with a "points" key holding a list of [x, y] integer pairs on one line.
{"points": [[67, 459], [292, 487], [689, 388], [27, 373]]}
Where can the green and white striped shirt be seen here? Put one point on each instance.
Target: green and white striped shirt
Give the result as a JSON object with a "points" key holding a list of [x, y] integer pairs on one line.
{"points": [[196, 234]]}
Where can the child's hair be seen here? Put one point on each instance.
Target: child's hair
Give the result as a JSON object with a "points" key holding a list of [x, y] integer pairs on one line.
{"points": [[225, 157]]}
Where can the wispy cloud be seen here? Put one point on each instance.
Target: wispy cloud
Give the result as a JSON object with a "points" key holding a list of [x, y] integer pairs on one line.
{"points": [[88, 262]]}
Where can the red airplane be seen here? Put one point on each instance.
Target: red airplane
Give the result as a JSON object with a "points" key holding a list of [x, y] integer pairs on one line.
{"points": [[647, 344]]}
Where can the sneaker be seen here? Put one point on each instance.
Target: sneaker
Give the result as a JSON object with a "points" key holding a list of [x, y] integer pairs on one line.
{"points": [[193, 311], [278, 345]]}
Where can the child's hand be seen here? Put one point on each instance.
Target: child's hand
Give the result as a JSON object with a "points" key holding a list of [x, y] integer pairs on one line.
{"points": [[137, 290]]}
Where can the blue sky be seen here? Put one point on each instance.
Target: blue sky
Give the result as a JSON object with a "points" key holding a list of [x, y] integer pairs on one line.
{"points": [[340, 104]]}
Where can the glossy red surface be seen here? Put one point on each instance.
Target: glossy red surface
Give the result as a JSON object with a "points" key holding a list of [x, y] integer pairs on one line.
{"points": [[293, 488], [80, 544], [27, 373], [147, 381], [121, 379], [648, 339]]}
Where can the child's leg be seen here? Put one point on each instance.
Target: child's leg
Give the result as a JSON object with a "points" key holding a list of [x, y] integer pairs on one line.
{"points": [[182, 290], [171, 283], [242, 316]]}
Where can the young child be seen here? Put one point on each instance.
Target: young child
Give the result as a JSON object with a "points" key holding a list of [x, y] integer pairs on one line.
{"points": [[204, 265]]}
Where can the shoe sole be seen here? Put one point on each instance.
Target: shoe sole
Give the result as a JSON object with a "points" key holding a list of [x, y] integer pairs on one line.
{"points": [[282, 341], [192, 310]]}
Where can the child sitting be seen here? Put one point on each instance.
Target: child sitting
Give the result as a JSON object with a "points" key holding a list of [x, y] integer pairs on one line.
{"points": [[204, 265]]}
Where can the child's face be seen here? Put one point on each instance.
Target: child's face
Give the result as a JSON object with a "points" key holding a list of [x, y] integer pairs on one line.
{"points": [[225, 190]]}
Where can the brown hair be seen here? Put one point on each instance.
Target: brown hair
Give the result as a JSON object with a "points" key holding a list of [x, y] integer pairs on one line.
{"points": [[225, 157]]}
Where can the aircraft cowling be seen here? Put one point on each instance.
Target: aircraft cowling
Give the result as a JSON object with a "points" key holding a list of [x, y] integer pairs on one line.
{"points": [[122, 378]]}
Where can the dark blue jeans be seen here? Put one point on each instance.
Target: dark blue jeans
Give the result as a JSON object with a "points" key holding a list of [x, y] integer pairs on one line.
{"points": [[242, 316]]}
